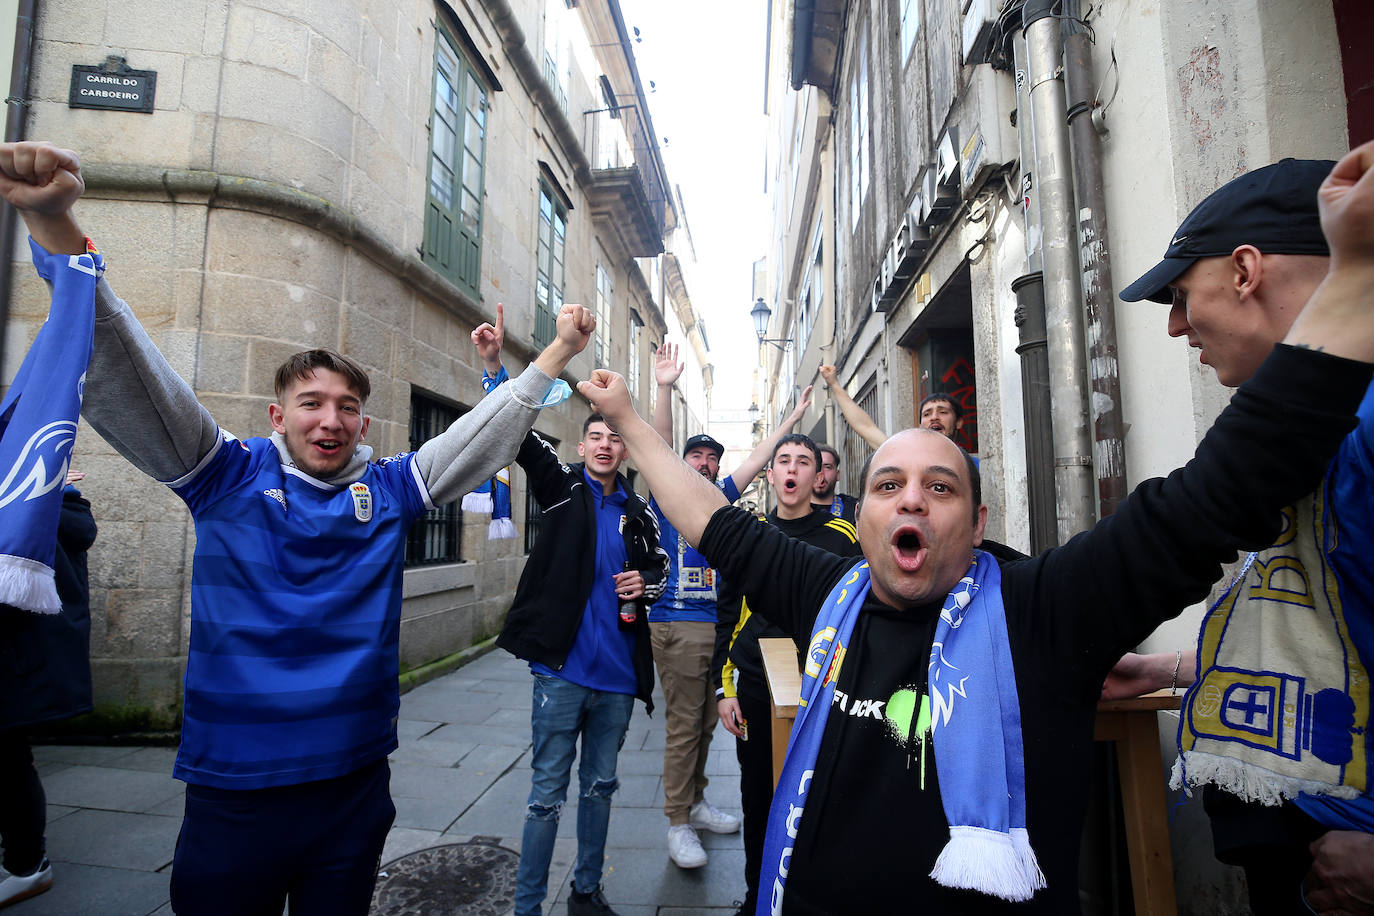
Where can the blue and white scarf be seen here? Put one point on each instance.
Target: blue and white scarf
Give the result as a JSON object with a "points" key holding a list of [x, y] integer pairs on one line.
{"points": [[978, 752], [493, 496], [37, 428]]}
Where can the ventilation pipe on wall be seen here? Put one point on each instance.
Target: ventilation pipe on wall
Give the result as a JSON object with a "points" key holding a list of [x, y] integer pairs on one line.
{"points": [[1072, 438]]}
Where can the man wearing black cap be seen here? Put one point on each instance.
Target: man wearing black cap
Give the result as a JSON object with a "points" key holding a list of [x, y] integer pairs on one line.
{"points": [[1280, 708], [683, 625]]}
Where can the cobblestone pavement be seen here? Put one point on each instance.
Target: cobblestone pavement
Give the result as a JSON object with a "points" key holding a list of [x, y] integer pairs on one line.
{"points": [[461, 774]]}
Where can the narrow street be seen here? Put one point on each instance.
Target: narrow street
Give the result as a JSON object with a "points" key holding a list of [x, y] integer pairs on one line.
{"points": [[461, 775]]}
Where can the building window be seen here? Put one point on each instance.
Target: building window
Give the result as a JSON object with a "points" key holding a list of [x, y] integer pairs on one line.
{"points": [[533, 511], [434, 537], [559, 24], [604, 293], [911, 26], [632, 376], [858, 132], [813, 293], [457, 148], [548, 291]]}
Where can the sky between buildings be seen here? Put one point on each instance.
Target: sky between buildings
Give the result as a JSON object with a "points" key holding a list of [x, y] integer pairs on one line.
{"points": [[706, 59]]}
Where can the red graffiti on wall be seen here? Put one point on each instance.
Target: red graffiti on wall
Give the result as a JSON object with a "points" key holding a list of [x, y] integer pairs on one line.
{"points": [[957, 382]]}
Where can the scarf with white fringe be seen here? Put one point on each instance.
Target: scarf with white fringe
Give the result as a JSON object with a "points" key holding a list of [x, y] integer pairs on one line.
{"points": [[493, 496], [38, 420], [1281, 703], [978, 752]]}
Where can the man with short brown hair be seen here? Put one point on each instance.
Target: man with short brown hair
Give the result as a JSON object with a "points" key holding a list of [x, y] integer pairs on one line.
{"points": [[291, 692]]}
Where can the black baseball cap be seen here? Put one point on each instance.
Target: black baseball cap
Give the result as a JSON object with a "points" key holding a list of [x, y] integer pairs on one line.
{"points": [[1273, 208], [701, 440]]}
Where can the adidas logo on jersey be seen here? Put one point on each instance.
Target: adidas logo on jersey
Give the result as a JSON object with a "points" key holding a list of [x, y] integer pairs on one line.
{"points": [[276, 494]]}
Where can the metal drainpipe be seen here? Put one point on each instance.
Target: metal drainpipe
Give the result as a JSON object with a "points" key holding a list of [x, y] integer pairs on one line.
{"points": [[1030, 326], [16, 117], [1073, 463], [1098, 292]]}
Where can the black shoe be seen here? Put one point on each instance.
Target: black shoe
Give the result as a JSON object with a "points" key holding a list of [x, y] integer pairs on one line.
{"points": [[593, 904]]}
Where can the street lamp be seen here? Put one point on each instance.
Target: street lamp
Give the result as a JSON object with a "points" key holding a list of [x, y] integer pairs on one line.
{"points": [[761, 313]]}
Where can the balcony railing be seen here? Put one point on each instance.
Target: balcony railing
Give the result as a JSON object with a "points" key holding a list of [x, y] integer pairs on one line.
{"points": [[626, 185]]}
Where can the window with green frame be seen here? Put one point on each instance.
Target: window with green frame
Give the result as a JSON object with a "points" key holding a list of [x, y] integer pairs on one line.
{"points": [[548, 273], [457, 147]]}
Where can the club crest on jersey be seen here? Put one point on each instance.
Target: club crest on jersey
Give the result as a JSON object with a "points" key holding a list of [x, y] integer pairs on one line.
{"points": [[362, 501]]}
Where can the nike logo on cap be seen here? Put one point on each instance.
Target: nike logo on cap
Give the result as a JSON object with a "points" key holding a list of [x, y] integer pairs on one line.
{"points": [[1179, 240]]}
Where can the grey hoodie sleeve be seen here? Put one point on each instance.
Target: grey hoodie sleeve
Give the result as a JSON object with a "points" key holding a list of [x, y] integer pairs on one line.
{"points": [[483, 440], [136, 402]]}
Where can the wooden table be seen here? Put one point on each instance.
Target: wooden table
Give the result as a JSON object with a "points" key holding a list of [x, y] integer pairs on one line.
{"points": [[784, 687], [1133, 724]]}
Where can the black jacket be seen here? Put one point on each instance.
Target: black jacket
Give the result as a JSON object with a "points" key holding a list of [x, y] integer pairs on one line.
{"points": [[542, 623], [45, 669], [738, 631]]}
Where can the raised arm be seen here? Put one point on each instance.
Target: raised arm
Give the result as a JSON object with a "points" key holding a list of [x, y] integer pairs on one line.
{"points": [[487, 438], [1163, 547], [1336, 318], [667, 370], [488, 339], [686, 498], [857, 418], [757, 459], [132, 396]]}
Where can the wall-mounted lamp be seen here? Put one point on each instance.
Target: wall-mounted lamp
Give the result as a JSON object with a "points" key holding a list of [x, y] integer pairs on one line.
{"points": [[761, 313]]}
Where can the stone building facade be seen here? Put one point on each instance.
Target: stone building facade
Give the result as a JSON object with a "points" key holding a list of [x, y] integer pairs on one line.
{"points": [[371, 176], [900, 227]]}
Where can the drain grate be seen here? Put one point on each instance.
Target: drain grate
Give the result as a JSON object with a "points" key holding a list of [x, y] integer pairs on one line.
{"points": [[472, 879]]}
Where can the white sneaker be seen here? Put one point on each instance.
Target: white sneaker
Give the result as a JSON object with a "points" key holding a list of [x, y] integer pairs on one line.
{"points": [[14, 888], [684, 847], [706, 815]]}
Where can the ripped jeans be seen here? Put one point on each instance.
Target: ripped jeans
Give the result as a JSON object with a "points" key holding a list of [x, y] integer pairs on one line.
{"points": [[561, 711]]}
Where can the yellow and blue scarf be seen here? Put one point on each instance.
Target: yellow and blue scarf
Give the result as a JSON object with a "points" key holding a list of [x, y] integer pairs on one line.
{"points": [[1281, 704]]}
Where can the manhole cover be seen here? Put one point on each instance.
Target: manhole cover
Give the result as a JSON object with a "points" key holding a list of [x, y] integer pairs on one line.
{"points": [[467, 878]]}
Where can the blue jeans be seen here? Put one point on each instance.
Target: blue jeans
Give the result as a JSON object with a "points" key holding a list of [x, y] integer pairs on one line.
{"points": [[562, 710]]}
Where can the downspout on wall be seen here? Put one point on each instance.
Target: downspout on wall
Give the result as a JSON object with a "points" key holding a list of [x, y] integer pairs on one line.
{"points": [[803, 17], [1099, 294], [16, 123], [1073, 462], [1032, 347]]}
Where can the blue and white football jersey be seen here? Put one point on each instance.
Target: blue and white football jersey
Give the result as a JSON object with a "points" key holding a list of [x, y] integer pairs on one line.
{"points": [[295, 617]]}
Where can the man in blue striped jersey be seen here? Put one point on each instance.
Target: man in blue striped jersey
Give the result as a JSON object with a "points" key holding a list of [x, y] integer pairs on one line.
{"points": [[291, 678]]}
